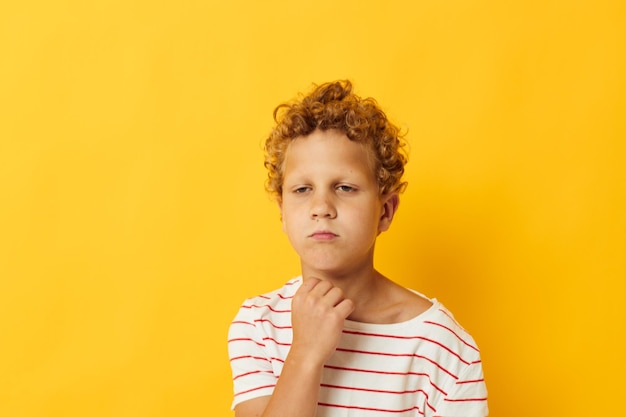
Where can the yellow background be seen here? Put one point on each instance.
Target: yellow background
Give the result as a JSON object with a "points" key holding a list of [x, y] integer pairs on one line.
{"points": [[133, 220]]}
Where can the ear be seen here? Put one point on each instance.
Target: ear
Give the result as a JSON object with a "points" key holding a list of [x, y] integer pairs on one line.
{"points": [[390, 203], [280, 207]]}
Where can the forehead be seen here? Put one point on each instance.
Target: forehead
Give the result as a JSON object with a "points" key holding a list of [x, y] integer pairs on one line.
{"points": [[327, 151]]}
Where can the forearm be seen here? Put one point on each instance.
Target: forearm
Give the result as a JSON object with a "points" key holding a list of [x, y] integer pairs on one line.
{"points": [[297, 390], [318, 314]]}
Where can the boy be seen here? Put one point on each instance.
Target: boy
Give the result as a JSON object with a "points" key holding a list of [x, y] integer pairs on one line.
{"points": [[344, 339]]}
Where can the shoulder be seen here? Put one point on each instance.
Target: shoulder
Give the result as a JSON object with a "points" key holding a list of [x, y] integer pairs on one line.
{"points": [[263, 315], [442, 321], [439, 325], [275, 299], [277, 302]]}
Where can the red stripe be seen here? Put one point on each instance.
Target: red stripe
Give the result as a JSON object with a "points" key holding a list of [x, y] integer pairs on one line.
{"points": [[285, 297], [462, 400], [381, 391], [400, 355], [260, 358], [255, 389], [471, 381], [242, 322], [371, 409], [454, 333], [245, 339], [449, 316], [266, 305], [272, 324], [251, 373], [339, 368], [277, 342], [410, 338]]}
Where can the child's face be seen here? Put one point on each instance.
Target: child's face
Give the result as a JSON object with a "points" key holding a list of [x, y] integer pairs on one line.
{"points": [[331, 208]]}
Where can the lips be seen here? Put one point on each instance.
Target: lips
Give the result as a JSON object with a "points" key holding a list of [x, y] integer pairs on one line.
{"points": [[323, 235]]}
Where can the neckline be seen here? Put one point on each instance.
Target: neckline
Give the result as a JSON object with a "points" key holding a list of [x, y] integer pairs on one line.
{"points": [[359, 325]]}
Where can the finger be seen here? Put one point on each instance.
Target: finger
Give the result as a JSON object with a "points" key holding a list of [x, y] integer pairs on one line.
{"points": [[308, 284], [321, 288], [345, 308], [334, 296]]}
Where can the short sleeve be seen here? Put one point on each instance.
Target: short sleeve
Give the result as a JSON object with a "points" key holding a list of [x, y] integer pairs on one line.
{"points": [[468, 396], [251, 367]]}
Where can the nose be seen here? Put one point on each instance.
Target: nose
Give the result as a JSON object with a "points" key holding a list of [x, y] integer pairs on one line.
{"points": [[322, 206]]}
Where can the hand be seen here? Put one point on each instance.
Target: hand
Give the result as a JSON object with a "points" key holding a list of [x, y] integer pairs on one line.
{"points": [[318, 312]]}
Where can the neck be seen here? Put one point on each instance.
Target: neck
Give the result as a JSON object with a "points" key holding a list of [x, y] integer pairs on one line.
{"points": [[362, 286]]}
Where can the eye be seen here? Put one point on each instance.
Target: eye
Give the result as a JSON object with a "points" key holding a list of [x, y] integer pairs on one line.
{"points": [[346, 188], [301, 190]]}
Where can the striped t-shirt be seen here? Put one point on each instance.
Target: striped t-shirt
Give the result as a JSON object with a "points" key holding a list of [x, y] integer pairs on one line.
{"points": [[427, 366]]}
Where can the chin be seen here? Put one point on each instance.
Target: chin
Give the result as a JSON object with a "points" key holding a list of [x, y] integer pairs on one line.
{"points": [[325, 268]]}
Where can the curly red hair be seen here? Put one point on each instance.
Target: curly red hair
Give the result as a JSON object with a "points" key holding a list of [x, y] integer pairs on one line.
{"points": [[334, 106]]}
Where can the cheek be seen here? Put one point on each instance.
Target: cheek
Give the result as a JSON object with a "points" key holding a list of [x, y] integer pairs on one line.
{"points": [[375, 220], [289, 221]]}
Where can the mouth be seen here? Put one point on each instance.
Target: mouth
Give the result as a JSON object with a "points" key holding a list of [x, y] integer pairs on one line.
{"points": [[323, 235]]}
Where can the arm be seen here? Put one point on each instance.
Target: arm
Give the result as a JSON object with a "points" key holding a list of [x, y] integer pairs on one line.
{"points": [[318, 314]]}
